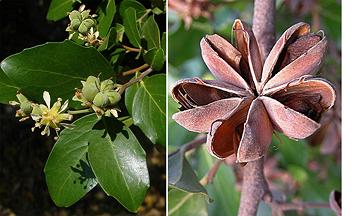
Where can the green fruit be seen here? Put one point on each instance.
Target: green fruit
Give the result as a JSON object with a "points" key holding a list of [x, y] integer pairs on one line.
{"points": [[90, 88], [101, 100], [85, 14], [83, 29], [89, 23], [26, 107], [75, 23], [107, 85], [75, 15], [114, 97]]}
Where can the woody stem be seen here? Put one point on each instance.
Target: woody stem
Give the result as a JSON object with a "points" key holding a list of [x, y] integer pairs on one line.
{"points": [[254, 186]]}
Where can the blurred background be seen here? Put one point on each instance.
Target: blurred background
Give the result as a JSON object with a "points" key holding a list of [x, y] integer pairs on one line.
{"points": [[306, 170], [23, 190]]}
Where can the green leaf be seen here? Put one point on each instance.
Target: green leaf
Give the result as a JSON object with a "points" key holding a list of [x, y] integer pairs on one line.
{"points": [[109, 41], [106, 12], [163, 41], [67, 170], [190, 204], [131, 27], [182, 176], [58, 9], [149, 107], [155, 58], [7, 88], [119, 163], [131, 3], [55, 67], [151, 33]]}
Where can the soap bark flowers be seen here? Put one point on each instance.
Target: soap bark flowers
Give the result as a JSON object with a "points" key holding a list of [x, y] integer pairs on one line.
{"points": [[250, 96]]}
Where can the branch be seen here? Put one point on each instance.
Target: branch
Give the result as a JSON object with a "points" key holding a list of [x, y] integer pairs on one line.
{"points": [[134, 70], [198, 141], [135, 80], [254, 186], [279, 207], [264, 25]]}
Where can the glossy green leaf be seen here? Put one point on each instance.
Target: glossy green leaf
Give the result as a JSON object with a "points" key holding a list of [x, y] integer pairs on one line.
{"points": [[7, 89], [109, 40], [151, 33], [163, 41], [119, 163], [131, 3], [182, 203], [155, 58], [223, 190], [58, 9], [149, 107], [131, 27], [106, 14], [67, 170], [182, 176], [57, 67]]}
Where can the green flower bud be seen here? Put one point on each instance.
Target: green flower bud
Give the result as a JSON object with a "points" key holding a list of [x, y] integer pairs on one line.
{"points": [[107, 85], [25, 104], [114, 97], [101, 100], [85, 14], [86, 25], [90, 88], [75, 15], [75, 23]]}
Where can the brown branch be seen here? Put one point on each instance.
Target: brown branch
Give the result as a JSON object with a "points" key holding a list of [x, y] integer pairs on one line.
{"points": [[135, 80], [131, 49], [134, 70], [211, 174], [255, 187], [264, 25], [195, 143], [278, 208]]}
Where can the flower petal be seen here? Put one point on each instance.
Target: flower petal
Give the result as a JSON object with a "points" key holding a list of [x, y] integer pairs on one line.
{"points": [[224, 136], [47, 99], [309, 96], [199, 119], [248, 46], [257, 133], [196, 92], [294, 31], [288, 121], [219, 67]]}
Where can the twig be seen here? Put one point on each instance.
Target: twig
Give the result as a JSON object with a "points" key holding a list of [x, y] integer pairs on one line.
{"points": [[74, 112], [131, 49], [144, 66], [135, 80], [279, 207], [254, 186], [198, 141], [211, 174]]}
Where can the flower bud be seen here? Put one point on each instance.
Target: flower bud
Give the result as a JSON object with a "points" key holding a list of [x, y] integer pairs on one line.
{"points": [[25, 104], [90, 88], [101, 100], [85, 14], [75, 15], [114, 97], [75, 23], [86, 25], [107, 85]]}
